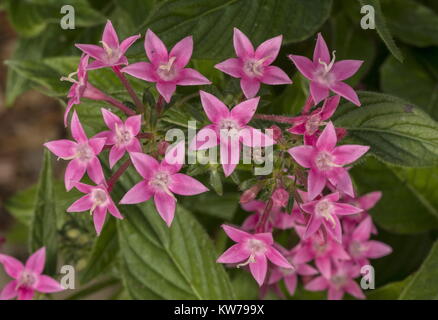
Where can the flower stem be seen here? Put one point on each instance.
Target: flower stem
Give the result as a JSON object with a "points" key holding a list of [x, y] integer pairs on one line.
{"points": [[275, 118], [112, 181], [118, 104], [125, 82], [262, 222], [160, 105]]}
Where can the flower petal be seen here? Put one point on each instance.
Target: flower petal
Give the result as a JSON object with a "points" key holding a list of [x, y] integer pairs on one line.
{"points": [[99, 215], [97, 144], [46, 284], [327, 140], [82, 204], [345, 209], [334, 229], [235, 234], [114, 211], [141, 70], [116, 153], [304, 65], [316, 183], [232, 66], [206, 138], [213, 107], [144, 164], [318, 92], [124, 46], [345, 91], [249, 86], [182, 51], [363, 230], [312, 226], [347, 154], [277, 258], [269, 50], [141, 192], [317, 284], [369, 200], [236, 253], [274, 75], [346, 68], [185, 185], [155, 48], [110, 36], [259, 268], [252, 137], [37, 261], [133, 123], [340, 178], [291, 283], [329, 107], [111, 119], [166, 90], [95, 172], [321, 52], [73, 173], [25, 294], [191, 77], [77, 131], [377, 249], [61, 148], [244, 111], [92, 50], [242, 45], [353, 288], [165, 205], [9, 291], [229, 154], [303, 155], [12, 266]]}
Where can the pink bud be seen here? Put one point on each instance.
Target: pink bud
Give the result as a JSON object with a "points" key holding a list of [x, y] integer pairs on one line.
{"points": [[340, 133], [250, 194], [276, 132], [2, 241], [162, 147], [280, 197]]}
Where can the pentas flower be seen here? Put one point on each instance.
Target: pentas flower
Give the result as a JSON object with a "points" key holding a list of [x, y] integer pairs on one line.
{"points": [[361, 248], [324, 213], [28, 278], [340, 282], [365, 202], [308, 125], [82, 152], [229, 129], [324, 251], [290, 276], [122, 136], [277, 218], [252, 250], [161, 181], [253, 66], [166, 69], [325, 75], [326, 162], [98, 201], [112, 53]]}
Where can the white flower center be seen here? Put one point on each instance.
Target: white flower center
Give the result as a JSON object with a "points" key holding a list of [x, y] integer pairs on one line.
{"points": [[313, 124], [320, 247], [112, 54], [256, 247], [324, 209], [123, 136], [229, 128], [253, 68], [99, 197], [161, 181], [84, 152], [339, 280], [26, 279], [356, 249], [324, 161], [323, 74], [167, 71]]}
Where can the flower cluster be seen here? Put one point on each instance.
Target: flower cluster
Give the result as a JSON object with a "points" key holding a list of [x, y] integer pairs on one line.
{"points": [[311, 191]]}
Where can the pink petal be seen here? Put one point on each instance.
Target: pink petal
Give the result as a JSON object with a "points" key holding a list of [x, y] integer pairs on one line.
{"points": [[327, 140], [335, 294], [369, 200], [277, 258], [254, 206], [232, 66], [73, 173], [291, 283], [77, 131], [165, 205], [97, 144], [215, 109], [345, 69], [329, 107], [99, 215], [37, 261], [347, 154], [345, 91], [304, 65], [83, 204], [46, 284], [266, 237], [244, 111], [141, 70], [258, 269], [316, 183], [124, 46], [155, 48], [114, 211], [309, 207], [9, 291], [166, 90], [111, 119], [182, 51], [25, 294], [340, 178], [255, 138], [274, 75], [269, 50], [206, 138], [97, 64], [135, 146], [144, 164], [174, 158], [306, 270], [321, 51], [95, 172], [191, 77], [317, 284], [334, 229], [92, 50], [110, 36], [345, 209], [303, 255], [242, 45], [61, 148], [250, 87], [133, 123], [13, 267], [116, 153], [363, 230], [235, 234], [185, 185], [313, 225], [141, 192], [234, 254], [229, 154], [324, 265], [318, 92], [354, 289], [377, 249], [70, 104], [303, 155], [298, 129]]}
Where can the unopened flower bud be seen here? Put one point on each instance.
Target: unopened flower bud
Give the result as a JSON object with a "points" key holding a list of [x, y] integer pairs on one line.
{"points": [[280, 197], [162, 147], [340, 133], [276, 132], [250, 194]]}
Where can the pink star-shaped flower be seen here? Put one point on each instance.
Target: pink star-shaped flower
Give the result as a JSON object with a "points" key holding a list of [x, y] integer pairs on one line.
{"points": [[98, 201], [325, 75], [252, 249], [253, 66], [28, 278], [161, 180], [166, 69], [326, 162], [122, 136], [112, 53], [83, 154], [277, 218], [324, 212], [229, 129]]}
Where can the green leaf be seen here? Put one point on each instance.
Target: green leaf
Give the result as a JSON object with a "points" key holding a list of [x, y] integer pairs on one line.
{"points": [[391, 291], [398, 132], [411, 22], [43, 231], [211, 22], [424, 283], [158, 262], [382, 28], [416, 79], [222, 207], [103, 254], [410, 195]]}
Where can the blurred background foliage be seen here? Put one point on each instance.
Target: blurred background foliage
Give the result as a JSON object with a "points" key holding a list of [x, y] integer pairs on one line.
{"points": [[151, 261]]}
